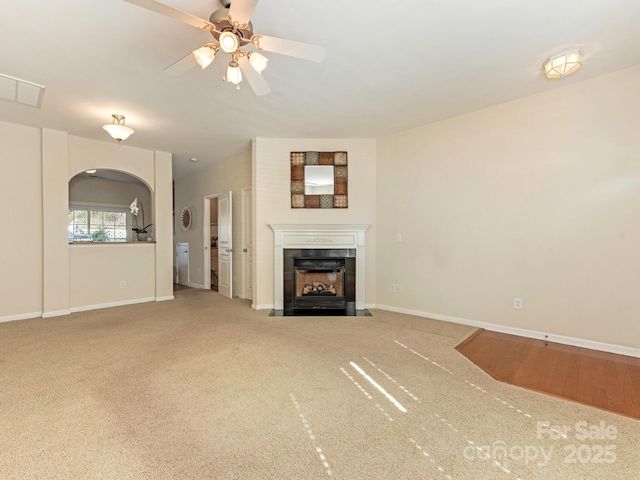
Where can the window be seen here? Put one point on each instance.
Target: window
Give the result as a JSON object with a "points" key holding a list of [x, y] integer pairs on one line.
{"points": [[98, 224]]}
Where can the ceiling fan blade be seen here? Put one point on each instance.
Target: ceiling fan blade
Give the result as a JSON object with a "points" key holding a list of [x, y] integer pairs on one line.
{"points": [[183, 65], [174, 13], [293, 48], [255, 79], [241, 10]]}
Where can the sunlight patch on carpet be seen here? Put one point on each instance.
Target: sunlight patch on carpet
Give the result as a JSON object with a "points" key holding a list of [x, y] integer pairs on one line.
{"points": [[389, 397], [307, 427]]}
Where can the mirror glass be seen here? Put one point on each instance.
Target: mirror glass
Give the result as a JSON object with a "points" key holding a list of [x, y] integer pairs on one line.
{"points": [[318, 180]]}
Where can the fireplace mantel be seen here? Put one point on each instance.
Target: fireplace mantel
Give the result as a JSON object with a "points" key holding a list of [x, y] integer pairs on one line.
{"points": [[317, 236]]}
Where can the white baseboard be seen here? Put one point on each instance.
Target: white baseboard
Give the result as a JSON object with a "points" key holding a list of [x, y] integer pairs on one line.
{"points": [[56, 313], [22, 316], [575, 342], [264, 306], [164, 299], [195, 285], [112, 304]]}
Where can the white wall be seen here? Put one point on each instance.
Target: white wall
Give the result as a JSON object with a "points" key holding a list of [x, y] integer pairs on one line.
{"points": [[41, 278], [538, 199], [272, 203], [97, 270], [21, 220], [107, 192], [232, 175]]}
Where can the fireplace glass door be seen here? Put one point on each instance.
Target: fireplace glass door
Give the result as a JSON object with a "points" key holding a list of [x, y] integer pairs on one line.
{"points": [[319, 283]]}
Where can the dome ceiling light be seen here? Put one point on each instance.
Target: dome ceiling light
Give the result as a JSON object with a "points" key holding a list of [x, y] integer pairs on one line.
{"points": [[117, 129], [563, 64]]}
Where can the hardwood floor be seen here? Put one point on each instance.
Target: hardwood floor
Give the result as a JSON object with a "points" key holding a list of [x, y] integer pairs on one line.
{"points": [[603, 380]]}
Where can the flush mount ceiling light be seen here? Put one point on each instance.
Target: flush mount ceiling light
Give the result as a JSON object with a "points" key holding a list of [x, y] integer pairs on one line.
{"points": [[117, 129], [91, 172], [233, 31], [563, 64]]}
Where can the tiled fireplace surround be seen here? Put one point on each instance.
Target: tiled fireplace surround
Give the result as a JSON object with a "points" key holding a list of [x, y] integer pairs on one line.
{"points": [[317, 236]]}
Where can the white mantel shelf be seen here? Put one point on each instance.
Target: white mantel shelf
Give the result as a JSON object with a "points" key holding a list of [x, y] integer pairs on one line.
{"points": [[317, 236]]}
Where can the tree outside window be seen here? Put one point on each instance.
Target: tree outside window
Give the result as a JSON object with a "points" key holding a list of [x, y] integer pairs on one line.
{"points": [[97, 224]]}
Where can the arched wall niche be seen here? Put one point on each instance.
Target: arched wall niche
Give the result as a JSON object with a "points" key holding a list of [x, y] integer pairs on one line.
{"points": [[110, 174], [110, 191]]}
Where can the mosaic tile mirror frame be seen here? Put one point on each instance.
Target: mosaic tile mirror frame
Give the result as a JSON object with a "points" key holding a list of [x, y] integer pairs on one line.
{"points": [[339, 198]]}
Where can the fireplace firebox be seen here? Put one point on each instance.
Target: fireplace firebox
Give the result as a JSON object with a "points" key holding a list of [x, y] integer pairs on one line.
{"points": [[319, 281]]}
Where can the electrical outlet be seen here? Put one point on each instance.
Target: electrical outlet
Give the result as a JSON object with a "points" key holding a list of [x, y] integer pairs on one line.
{"points": [[393, 288], [123, 284], [397, 288], [398, 237], [517, 303]]}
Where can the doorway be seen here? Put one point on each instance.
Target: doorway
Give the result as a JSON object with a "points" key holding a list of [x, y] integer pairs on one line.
{"points": [[247, 244], [213, 236], [217, 230]]}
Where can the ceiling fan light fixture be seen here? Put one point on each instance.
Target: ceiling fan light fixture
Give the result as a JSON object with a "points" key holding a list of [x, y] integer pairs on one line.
{"points": [[258, 62], [204, 56], [563, 64], [117, 129], [234, 75], [229, 42]]}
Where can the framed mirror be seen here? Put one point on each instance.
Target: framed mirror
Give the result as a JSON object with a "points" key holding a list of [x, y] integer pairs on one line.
{"points": [[319, 180], [185, 219]]}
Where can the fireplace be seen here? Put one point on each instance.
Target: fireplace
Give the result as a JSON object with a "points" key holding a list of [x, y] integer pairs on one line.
{"points": [[319, 281], [322, 247]]}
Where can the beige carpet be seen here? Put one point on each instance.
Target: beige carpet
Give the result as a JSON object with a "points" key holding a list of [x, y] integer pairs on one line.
{"points": [[203, 387]]}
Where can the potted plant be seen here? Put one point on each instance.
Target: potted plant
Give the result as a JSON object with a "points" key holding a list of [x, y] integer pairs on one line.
{"points": [[141, 231], [100, 235]]}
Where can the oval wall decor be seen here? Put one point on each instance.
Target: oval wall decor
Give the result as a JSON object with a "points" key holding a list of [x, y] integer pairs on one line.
{"points": [[185, 219]]}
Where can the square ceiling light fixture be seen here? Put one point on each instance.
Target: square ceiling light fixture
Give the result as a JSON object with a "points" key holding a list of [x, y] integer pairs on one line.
{"points": [[563, 64], [21, 91]]}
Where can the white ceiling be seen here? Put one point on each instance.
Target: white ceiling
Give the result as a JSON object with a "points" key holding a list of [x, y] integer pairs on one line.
{"points": [[389, 66]]}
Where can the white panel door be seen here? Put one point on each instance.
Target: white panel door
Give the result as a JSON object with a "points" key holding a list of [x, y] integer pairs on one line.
{"points": [[182, 255], [247, 245], [225, 242]]}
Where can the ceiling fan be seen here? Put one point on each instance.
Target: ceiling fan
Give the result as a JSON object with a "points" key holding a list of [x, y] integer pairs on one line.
{"points": [[230, 26]]}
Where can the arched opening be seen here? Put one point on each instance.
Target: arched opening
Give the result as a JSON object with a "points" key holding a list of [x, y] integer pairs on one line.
{"points": [[100, 208]]}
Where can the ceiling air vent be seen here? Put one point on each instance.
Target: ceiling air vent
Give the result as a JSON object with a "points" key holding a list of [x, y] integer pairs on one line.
{"points": [[21, 91]]}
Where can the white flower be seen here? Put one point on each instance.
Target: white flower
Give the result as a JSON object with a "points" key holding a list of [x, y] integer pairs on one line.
{"points": [[134, 207]]}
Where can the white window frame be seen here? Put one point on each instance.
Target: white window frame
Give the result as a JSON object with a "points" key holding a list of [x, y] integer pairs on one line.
{"points": [[105, 207]]}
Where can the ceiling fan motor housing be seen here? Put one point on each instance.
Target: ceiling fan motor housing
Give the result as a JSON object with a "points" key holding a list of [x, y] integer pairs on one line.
{"points": [[220, 18]]}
